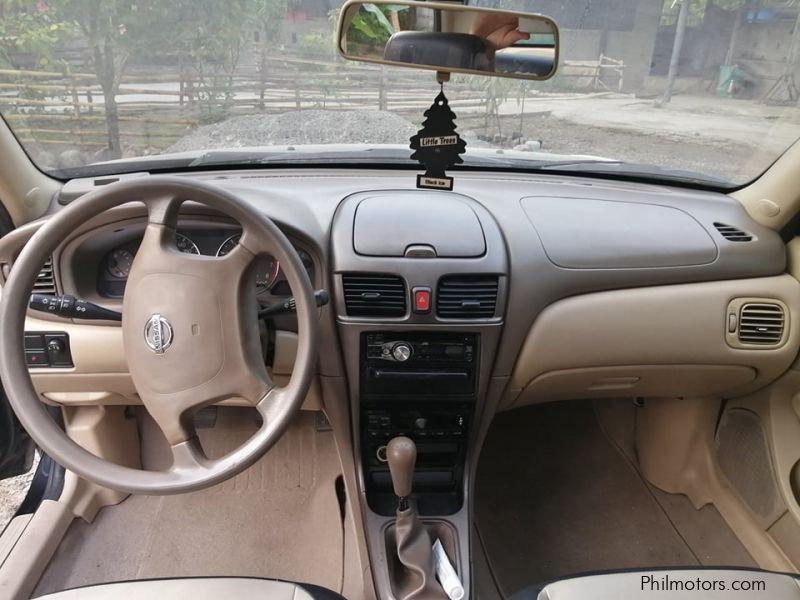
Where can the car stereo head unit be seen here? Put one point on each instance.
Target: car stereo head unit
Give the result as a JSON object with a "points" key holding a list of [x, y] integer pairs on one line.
{"points": [[420, 348], [415, 365]]}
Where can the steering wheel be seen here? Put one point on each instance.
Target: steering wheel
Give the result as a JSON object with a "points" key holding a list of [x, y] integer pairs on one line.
{"points": [[190, 332]]}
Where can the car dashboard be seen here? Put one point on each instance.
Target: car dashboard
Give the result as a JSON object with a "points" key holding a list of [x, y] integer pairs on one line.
{"points": [[448, 307]]}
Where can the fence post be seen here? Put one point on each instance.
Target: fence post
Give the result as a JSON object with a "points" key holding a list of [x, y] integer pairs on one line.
{"points": [[597, 70], [76, 106], [181, 80], [680, 30], [262, 75], [382, 100]]}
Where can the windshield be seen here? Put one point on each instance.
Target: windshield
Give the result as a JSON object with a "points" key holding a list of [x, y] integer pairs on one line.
{"points": [[702, 91]]}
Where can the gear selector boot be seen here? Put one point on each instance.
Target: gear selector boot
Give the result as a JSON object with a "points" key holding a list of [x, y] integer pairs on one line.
{"points": [[417, 579]]}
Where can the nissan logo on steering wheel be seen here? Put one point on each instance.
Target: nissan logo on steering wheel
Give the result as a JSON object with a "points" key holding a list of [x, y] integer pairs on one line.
{"points": [[158, 334]]}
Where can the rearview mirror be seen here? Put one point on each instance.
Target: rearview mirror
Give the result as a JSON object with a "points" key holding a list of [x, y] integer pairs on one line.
{"points": [[449, 38]]}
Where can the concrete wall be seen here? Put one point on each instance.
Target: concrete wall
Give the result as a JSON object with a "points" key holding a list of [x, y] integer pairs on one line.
{"points": [[763, 48], [764, 41], [635, 47], [580, 44]]}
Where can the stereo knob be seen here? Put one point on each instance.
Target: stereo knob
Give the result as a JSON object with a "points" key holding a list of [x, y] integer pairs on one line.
{"points": [[401, 352]]}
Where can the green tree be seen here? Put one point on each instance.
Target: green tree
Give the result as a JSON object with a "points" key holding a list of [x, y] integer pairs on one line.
{"points": [[209, 39], [115, 30], [30, 28], [206, 35], [270, 16]]}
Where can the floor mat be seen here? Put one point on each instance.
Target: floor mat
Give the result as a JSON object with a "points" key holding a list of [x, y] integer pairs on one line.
{"points": [[280, 518], [555, 497]]}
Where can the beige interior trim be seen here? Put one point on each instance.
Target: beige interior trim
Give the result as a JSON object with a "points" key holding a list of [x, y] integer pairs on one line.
{"points": [[312, 401], [609, 343], [100, 375], [793, 258], [119, 390], [33, 550], [11, 534], [635, 380], [25, 191], [285, 352], [634, 585], [108, 433], [778, 406], [783, 433], [197, 588], [774, 198], [676, 452], [95, 348], [337, 409]]}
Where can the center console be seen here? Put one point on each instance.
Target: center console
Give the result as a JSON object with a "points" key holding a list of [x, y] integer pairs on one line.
{"points": [[420, 281], [422, 385]]}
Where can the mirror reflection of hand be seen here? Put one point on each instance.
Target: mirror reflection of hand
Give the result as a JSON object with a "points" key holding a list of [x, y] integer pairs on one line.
{"points": [[498, 30]]}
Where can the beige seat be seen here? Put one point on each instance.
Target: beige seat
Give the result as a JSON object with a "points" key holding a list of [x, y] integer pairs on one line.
{"points": [[197, 588], [670, 584]]}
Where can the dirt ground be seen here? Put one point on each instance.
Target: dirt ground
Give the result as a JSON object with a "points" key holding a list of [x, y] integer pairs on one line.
{"points": [[12, 493], [726, 160], [729, 160], [729, 138]]}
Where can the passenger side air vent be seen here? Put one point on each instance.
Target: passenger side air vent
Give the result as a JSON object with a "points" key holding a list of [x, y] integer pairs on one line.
{"points": [[467, 296], [374, 295], [45, 281], [761, 323], [733, 234]]}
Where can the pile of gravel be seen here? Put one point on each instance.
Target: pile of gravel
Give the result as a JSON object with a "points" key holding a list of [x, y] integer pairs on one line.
{"points": [[300, 127]]}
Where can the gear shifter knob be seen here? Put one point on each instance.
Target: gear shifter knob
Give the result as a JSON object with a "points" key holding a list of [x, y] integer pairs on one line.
{"points": [[401, 452]]}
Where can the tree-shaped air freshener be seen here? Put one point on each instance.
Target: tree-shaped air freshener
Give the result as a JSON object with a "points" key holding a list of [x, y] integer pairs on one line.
{"points": [[437, 146]]}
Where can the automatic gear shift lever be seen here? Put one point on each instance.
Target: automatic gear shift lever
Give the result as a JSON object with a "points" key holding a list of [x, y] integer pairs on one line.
{"points": [[401, 452]]}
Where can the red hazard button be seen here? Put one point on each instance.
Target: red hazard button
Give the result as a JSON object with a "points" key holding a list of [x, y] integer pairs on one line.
{"points": [[422, 300]]}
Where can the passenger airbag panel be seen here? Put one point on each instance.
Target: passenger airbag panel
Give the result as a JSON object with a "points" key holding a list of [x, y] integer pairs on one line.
{"points": [[582, 233]]}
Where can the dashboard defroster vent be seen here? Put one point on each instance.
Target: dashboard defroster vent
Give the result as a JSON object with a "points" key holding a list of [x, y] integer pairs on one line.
{"points": [[374, 295], [761, 323], [45, 280], [733, 234], [467, 296]]}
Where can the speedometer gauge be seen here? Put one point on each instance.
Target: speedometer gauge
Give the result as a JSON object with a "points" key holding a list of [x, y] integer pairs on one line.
{"points": [[185, 245], [229, 244], [267, 267]]}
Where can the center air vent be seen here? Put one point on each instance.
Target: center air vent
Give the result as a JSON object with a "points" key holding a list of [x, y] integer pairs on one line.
{"points": [[45, 281], [374, 295], [761, 323], [467, 297], [733, 234]]}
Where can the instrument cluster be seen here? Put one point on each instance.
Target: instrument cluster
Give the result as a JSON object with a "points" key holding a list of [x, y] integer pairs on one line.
{"points": [[116, 264]]}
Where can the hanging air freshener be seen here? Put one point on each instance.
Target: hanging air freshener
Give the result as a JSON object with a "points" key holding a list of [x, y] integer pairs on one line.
{"points": [[437, 146]]}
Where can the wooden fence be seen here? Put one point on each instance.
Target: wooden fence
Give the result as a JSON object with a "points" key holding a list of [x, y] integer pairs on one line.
{"points": [[61, 110], [55, 111]]}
